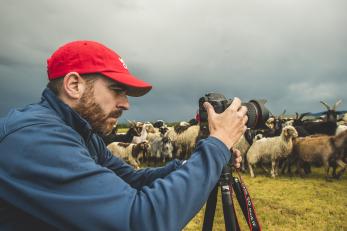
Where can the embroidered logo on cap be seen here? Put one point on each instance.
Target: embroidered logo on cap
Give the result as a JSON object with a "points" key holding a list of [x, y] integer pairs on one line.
{"points": [[122, 61]]}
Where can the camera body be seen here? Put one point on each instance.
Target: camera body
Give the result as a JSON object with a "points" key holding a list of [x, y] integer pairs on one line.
{"points": [[257, 113]]}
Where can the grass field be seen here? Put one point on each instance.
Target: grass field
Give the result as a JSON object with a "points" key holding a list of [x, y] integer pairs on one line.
{"points": [[290, 203]]}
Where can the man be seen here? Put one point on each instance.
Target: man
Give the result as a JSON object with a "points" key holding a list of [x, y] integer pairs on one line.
{"points": [[57, 174]]}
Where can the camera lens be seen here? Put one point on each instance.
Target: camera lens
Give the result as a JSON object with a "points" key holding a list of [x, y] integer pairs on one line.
{"points": [[257, 113]]}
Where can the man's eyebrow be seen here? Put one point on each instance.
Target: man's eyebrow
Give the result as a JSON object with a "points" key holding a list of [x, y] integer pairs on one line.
{"points": [[114, 84]]}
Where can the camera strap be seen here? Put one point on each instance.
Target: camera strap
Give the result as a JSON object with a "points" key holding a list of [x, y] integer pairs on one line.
{"points": [[245, 201]]}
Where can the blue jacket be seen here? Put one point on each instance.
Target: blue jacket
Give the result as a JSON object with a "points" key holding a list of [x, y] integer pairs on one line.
{"points": [[56, 174]]}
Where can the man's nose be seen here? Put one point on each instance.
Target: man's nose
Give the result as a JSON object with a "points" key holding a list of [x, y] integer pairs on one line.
{"points": [[124, 103]]}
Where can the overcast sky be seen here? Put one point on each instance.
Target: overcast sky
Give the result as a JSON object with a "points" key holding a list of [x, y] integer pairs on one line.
{"points": [[292, 53]]}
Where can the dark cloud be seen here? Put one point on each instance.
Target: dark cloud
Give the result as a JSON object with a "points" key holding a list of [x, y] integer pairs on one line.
{"points": [[292, 53]]}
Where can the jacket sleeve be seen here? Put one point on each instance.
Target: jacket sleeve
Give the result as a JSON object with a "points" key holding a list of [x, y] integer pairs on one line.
{"points": [[50, 175], [136, 178]]}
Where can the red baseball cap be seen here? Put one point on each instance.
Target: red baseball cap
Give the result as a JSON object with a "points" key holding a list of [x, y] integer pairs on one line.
{"points": [[87, 57]]}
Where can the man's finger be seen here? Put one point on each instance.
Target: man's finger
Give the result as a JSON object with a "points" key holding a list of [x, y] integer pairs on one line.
{"points": [[235, 105], [238, 159], [236, 152], [209, 108], [243, 110]]}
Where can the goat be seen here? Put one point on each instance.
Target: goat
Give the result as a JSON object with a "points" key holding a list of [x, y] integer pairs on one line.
{"points": [[274, 124], [161, 147], [159, 123], [327, 126], [147, 127], [322, 149], [130, 153], [272, 149], [134, 130]]}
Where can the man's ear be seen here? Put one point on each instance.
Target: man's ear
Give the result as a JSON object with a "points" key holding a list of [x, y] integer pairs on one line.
{"points": [[73, 85]]}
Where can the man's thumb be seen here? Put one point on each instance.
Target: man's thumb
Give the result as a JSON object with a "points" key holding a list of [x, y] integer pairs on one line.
{"points": [[209, 108]]}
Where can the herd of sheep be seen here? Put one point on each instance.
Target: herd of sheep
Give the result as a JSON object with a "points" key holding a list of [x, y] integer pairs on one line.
{"points": [[286, 142]]}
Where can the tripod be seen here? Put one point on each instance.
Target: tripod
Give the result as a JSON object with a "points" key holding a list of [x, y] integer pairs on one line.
{"points": [[227, 183]]}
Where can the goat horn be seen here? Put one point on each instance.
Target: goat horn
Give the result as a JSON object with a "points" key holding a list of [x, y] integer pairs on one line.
{"points": [[303, 114], [280, 116], [131, 122], [325, 104], [337, 104]]}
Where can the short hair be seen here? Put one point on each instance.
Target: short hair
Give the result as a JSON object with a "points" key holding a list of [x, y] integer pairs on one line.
{"points": [[56, 84]]}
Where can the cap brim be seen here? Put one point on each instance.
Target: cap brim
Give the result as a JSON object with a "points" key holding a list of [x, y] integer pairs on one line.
{"points": [[135, 86]]}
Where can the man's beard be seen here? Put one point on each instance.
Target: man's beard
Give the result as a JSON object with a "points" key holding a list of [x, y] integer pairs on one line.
{"points": [[100, 122]]}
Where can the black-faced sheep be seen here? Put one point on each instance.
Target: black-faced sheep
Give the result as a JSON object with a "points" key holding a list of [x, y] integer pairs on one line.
{"points": [[134, 130]]}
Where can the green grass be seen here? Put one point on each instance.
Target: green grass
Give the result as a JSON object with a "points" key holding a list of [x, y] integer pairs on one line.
{"points": [[122, 130], [290, 203]]}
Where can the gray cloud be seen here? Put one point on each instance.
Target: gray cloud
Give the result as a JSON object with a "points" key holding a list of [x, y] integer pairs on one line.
{"points": [[293, 53]]}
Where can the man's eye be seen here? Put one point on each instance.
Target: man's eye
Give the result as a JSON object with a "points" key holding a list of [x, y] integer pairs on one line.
{"points": [[119, 91]]}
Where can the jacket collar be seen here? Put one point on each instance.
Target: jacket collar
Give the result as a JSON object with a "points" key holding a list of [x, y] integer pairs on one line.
{"points": [[67, 114]]}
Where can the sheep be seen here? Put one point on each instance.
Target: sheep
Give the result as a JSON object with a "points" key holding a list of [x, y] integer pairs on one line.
{"points": [[131, 153], [340, 129], [244, 143], [146, 128], [184, 141], [134, 130], [272, 149], [344, 118], [322, 149], [154, 133], [161, 147]]}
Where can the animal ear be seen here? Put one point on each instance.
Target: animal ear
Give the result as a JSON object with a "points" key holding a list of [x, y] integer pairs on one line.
{"points": [[337, 104], [325, 104], [286, 131]]}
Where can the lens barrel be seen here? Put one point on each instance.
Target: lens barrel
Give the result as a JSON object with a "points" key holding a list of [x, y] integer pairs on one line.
{"points": [[257, 113]]}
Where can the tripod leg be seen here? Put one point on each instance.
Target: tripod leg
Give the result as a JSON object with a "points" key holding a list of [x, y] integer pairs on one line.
{"points": [[230, 221], [210, 210]]}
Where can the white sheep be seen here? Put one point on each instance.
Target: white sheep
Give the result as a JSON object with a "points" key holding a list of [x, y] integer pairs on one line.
{"points": [[146, 128], [340, 128], [272, 149], [129, 152], [243, 145], [161, 148], [184, 142], [344, 118]]}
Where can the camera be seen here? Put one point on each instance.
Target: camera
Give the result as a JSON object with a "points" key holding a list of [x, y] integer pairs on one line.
{"points": [[257, 113]]}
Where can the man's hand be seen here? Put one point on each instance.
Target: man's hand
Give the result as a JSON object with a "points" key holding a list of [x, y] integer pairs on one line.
{"points": [[237, 158], [229, 125]]}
